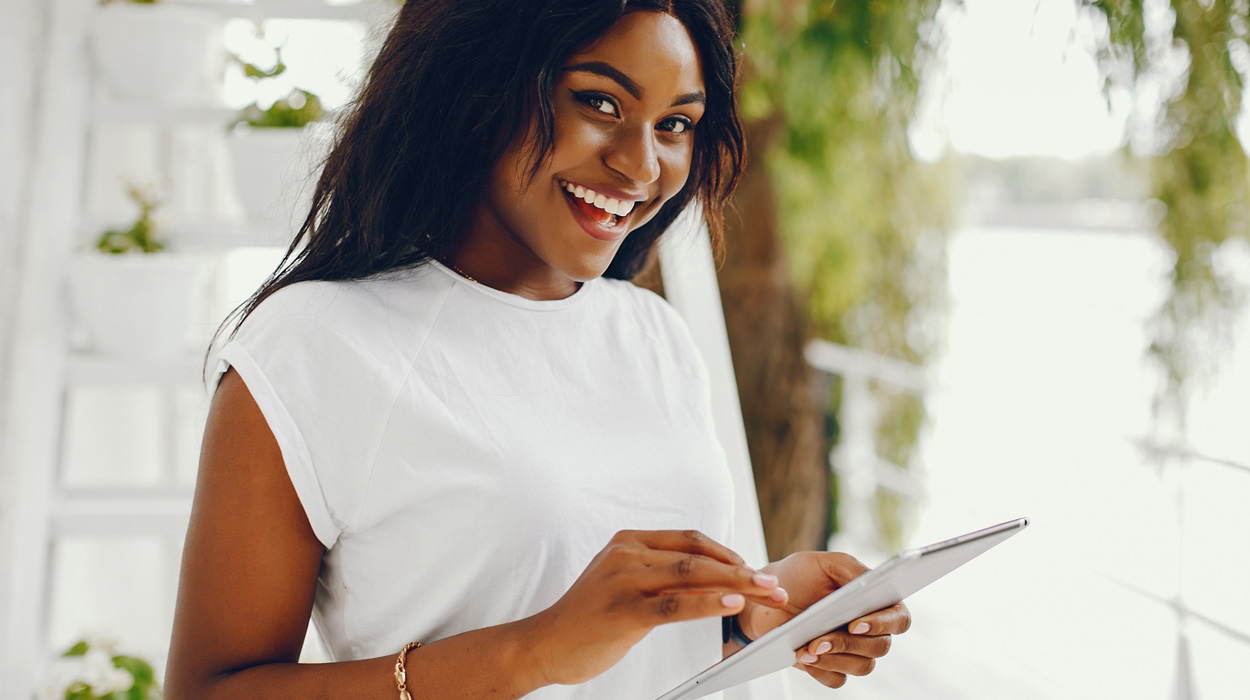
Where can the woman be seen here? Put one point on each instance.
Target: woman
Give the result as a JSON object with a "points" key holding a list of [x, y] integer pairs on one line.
{"points": [[447, 420]]}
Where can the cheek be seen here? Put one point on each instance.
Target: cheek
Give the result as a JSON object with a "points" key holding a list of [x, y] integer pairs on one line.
{"points": [[674, 170], [577, 140]]}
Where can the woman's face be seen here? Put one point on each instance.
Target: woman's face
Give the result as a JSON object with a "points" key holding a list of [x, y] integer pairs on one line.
{"points": [[625, 110]]}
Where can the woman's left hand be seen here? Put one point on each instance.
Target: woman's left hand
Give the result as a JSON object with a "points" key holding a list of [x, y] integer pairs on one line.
{"points": [[851, 650]]}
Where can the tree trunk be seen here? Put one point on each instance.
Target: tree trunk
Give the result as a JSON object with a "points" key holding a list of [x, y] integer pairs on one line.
{"points": [[782, 404]]}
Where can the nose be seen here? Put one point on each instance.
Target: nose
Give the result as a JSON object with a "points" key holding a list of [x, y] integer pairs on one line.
{"points": [[633, 154]]}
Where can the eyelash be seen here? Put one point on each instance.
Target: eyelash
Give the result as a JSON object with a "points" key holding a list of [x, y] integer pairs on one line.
{"points": [[596, 100]]}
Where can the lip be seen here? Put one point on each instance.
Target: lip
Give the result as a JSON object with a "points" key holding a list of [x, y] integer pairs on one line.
{"points": [[597, 230]]}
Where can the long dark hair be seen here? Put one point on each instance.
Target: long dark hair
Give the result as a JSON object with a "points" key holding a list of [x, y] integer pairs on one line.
{"points": [[454, 83]]}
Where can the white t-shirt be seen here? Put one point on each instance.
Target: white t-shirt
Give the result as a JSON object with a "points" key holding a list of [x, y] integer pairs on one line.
{"points": [[463, 453]]}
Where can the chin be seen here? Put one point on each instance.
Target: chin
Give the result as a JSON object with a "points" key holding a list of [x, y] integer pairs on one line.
{"points": [[584, 273], [588, 267]]}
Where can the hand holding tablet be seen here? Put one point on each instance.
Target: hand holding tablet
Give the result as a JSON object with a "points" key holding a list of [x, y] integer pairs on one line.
{"points": [[874, 590], [809, 578]]}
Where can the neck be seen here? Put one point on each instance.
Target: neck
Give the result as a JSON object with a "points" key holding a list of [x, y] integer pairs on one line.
{"points": [[498, 270]]}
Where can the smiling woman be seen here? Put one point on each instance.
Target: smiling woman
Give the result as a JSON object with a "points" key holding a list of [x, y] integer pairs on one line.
{"points": [[447, 418], [625, 112]]}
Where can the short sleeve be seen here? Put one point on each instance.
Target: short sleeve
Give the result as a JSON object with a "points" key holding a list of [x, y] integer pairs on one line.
{"points": [[324, 388]]}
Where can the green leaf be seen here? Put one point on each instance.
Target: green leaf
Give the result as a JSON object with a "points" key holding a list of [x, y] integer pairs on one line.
{"points": [[140, 237], [255, 72], [297, 109], [140, 669], [79, 649]]}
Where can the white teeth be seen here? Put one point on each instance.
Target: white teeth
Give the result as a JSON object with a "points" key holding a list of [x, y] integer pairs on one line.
{"points": [[609, 204]]}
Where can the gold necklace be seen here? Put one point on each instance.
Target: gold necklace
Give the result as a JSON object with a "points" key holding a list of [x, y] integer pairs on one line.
{"points": [[460, 272]]}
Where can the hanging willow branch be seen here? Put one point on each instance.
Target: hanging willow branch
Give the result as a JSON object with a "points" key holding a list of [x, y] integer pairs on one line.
{"points": [[1200, 170]]}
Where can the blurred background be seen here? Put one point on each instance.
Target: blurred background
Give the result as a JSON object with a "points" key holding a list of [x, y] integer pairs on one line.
{"points": [[989, 260]]}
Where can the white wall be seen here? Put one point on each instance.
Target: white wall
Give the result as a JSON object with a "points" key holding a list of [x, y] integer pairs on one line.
{"points": [[22, 39]]}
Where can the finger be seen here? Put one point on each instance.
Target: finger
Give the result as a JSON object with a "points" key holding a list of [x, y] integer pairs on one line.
{"points": [[688, 541], [841, 568], [848, 664], [679, 607], [839, 642], [667, 571], [895, 619], [828, 679]]}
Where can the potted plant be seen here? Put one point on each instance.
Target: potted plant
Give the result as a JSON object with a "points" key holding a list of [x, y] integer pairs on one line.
{"points": [[270, 152], [159, 52], [93, 671], [131, 296]]}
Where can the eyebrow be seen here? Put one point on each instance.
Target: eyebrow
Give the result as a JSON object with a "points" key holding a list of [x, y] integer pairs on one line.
{"points": [[628, 84]]}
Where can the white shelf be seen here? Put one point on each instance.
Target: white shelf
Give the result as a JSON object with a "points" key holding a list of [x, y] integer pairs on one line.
{"points": [[210, 236], [118, 512], [366, 10], [107, 111], [87, 368], [203, 235], [74, 115]]}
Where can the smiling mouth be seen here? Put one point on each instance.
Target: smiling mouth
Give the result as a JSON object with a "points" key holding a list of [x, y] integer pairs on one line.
{"points": [[603, 210]]}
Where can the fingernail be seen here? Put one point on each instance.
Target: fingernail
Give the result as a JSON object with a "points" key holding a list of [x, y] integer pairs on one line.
{"points": [[823, 647], [860, 628], [808, 658], [764, 580], [732, 600], [779, 594]]}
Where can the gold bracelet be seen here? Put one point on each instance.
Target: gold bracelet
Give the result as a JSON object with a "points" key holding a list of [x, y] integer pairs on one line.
{"points": [[401, 673]]}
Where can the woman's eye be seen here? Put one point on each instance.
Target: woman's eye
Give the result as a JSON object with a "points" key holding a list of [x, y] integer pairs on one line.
{"points": [[598, 102], [676, 125]]}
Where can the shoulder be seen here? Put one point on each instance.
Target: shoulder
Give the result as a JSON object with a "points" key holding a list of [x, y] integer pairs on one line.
{"points": [[643, 304], [384, 309], [659, 324]]}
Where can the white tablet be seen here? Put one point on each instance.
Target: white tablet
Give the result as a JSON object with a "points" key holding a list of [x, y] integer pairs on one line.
{"points": [[876, 589]]}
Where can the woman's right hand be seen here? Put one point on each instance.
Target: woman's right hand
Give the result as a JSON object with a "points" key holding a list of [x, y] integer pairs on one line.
{"points": [[641, 579]]}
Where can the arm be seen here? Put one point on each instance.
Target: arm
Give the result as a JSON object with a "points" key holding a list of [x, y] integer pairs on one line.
{"points": [[250, 571]]}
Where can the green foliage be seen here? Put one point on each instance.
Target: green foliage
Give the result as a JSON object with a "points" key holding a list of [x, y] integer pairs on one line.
{"points": [[141, 236], [1200, 174], [137, 680], [251, 70], [146, 686], [297, 109], [833, 87]]}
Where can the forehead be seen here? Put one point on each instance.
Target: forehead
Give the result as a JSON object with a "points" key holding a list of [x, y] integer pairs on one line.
{"points": [[653, 48]]}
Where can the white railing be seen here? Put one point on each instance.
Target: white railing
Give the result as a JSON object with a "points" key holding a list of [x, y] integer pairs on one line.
{"points": [[1181, 458], [860, 471]]}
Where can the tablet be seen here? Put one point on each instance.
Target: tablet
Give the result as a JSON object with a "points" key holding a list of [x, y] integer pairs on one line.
{"points": [[871, 591]]}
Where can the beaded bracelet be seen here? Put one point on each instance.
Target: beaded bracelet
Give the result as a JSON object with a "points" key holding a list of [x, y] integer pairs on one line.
{"points": [[401, 673]]}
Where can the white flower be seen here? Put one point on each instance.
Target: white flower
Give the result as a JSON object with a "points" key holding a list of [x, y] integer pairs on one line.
{"points": [[102, 675], [58, 675], [119, 679]]}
